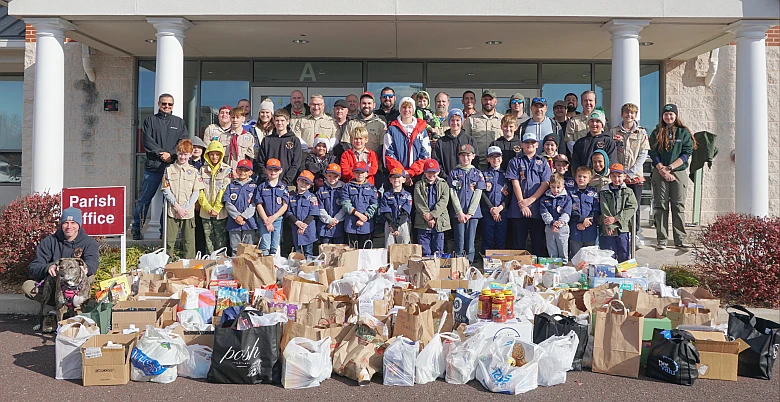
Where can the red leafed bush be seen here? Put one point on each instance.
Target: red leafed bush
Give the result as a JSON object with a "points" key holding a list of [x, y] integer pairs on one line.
{"points": [[26, 221], [738, 256]]}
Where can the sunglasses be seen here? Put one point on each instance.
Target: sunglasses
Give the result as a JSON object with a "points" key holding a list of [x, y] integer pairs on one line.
{"points": [[515, 101], [539, 100], [387, 96], [166, 103]]}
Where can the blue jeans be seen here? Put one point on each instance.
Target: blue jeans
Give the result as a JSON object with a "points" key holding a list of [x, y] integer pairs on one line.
{"points": [[269, 241], [493, 233], [431, 241], [333, 240], [307, 250], [149, 187], [464, 238], [618, 244], [240, 236]]}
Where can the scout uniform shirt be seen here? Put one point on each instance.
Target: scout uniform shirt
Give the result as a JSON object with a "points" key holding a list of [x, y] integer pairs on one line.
{"points": [[376, 128], [555, 207], [569, 183], [484, 129], [497, 190], [360, 197], [464, 182], [531, 172], [394, 203], [182, 181], [302, 206], [330, 199], [272, 197], [584, 204], [213, 131], [629, 144], [308, 127], [242, 196], [576, 129], [244, 147]]}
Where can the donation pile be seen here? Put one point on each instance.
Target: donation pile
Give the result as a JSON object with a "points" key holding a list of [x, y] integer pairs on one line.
{"points": [[397, 317]]}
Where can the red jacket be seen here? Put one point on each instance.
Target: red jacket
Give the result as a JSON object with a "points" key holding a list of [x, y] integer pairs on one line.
{"points": [[349, 160], [406, 151]]}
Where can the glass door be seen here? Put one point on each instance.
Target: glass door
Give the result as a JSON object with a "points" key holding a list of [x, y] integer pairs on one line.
{"points": [[504, 94], [331, 95], [280, 96], [456, 96]]}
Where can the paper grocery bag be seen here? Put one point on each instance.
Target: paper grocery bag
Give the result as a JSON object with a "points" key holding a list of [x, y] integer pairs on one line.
{"points": [[299, 290], [244, 248], [681, 315], [572, 301], [415, 322], [316, 333], [703, 297], [326, 309], [361, 348], [455, 267], [617, 345], [421, 270], [333, 253], [365, 259], [643, 302], [254, 271], [399, 254]]}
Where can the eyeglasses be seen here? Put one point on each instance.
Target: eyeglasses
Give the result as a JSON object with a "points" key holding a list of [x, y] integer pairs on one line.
{"points": [[516, 101], [166, 103], [387, 96], [539, 100]]}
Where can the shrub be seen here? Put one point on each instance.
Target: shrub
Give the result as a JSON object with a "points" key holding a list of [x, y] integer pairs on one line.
{"points": [[738, 256], [110, 262], [680, 276], [26, 221]]}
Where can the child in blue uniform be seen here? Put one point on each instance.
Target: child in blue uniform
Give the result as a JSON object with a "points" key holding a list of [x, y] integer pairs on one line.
{"points": [[556, 210], [361, 202], [396, 207], [272, 202], [330, 227], [495, 199], [466, 186], [561, 166], [304, 209], [584, 212], [431, 196], [241, 205]]}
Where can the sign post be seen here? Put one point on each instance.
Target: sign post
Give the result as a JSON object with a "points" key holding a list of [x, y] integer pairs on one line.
{"points": [[102, 212]]}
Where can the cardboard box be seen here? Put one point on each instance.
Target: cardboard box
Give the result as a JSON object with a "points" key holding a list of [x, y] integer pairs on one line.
{"points": [[102, 365], [179, 270], [521, 256], [448, 284], [718, 357], [139, 313], [601, 271], [624, 283]]}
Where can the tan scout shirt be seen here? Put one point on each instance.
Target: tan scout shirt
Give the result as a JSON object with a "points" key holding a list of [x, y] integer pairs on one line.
{"points": [[484, 129], [308, 127], [246, 147], [182, 181], [576, 129], [629, 145], [376, 128], [213, 131]]}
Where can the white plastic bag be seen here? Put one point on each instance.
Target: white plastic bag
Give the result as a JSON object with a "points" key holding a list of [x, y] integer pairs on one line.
{"points": [[569, 274], [154, 262], [592, 255], [306, 363], [67, 346], [157, 356], [351, 284], [223, 271], [191, 320], [462, 359], [475, 278], [431, 363], [528, 304], [399, 361], [265, 320], [495, 372], [197, 366], [471, 311], [559, 354]]}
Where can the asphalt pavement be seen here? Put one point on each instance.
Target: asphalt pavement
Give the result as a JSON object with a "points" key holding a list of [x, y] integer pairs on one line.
{"points": [[28, 359]]}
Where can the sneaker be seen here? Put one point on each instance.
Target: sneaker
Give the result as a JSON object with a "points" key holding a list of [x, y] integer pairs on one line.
{"points": [[682, 246], [49, 322], [137, 235], [660, 246]]}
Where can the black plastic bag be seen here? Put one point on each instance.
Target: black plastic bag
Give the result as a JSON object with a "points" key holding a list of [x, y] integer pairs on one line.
{"points": [[673, 357], [546, 326], [762, 335], [250, 356]]}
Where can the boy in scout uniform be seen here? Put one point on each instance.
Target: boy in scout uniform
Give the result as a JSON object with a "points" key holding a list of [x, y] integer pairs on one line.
{"points": [[331, 223], [272, 202], [556, 212], [304, 209], [396, 206], [466, 183], [215, 176], [495, 201], [240, 204], [222, 126], [361, 204], [431, 197], [240, 144], [584, 212], [181, 186]]}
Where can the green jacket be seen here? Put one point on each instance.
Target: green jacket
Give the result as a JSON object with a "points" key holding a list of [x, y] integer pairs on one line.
{"points": [[705, 152], [682, 145], [623, 207], [439, 211]]}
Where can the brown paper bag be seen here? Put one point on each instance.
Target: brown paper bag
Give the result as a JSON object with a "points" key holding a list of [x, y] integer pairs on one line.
{"points": [[400, 253], [316, 333], [424, 295], [361, 348], [335, 273], [254, 271], [327, 310], [419, 322], [617, 341], [572, 301], [643, 302], [150, 283], [681, 315], [421, 270], [333, 253], [702, 297], [244, 248], [299, 290], [175, 285], [455, 268]]}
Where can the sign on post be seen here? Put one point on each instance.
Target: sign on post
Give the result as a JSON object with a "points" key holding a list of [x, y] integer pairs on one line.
{"points": [[102, 211]]}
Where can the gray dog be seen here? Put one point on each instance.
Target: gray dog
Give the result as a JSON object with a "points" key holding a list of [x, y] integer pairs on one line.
{"points": [[71, 290]]}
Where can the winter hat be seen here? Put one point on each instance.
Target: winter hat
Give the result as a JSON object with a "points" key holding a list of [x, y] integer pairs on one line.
{"points": [[669, 107], [197, 142], [320, 139], [598, 115], [71, 214], [455, 112], [409, 101], [425, 94], [267, 105]]}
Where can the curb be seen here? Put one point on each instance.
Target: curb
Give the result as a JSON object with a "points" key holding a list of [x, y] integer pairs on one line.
{"points": [[18, 304]]}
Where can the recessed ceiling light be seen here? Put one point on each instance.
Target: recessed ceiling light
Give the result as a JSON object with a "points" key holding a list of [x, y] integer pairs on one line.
{"points": [[150, 40], [645, 43], [301, 41], [471, 73], [466, 48], [493, 42]]}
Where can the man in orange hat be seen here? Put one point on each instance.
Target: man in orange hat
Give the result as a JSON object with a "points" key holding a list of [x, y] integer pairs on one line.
{"points": [[618, 205]]}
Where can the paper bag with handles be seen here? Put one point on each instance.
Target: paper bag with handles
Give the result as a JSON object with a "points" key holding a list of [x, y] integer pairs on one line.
{"points": [[422, 269], [253, 270], [617, 340], [703, 297], [333, 253], [643, 302], [362, 348], [326, 309], [400, 253], [316, 333], [681, 315], [419, 322], [299, 290], [454, 267]]}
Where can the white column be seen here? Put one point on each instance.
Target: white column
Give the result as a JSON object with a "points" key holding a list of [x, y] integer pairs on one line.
{"points": [[48, 146], [752, 128], [625, 64]]}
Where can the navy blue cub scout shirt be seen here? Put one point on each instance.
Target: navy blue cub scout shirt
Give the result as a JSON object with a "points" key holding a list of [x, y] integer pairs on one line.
{"points": [[465, 182], [361, 197], [303, 206], [241, 196], [330, 200], [393, 203], [497, 188], [272, 197], [531, 173], [584, 204]]}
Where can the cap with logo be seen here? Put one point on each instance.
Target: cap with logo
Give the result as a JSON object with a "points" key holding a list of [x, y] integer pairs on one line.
{"points": [[616, 168], [397, 172], [244, 163], [559, 103], [360, 167], [529, 137], [561, 158], [334, 168], [431, 166], [307, 176], [549, 137], [341, 103], [517, 96], [273, 163], [494, 150], [489, 92], [598, 115], [466, 148], [367, 94]]}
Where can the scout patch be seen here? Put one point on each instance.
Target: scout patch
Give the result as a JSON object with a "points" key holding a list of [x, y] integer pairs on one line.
{"points": [[517, 148], [505, 191], [279, 200], [538, 161], [488, 186], [600, 145], [289, 145], [78, 252], [313, 200], [522, 175], [233, 197], [617, 137]]}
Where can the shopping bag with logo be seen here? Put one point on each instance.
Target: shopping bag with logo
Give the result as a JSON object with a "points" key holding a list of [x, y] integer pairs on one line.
{"points": [[496, 371], [157, 356], [546, 326], [99, 312], [306, 363], [399, 254], [461, 304], [462, 359], [763, 337], [71, 334], [673, 357], [617, 345]]}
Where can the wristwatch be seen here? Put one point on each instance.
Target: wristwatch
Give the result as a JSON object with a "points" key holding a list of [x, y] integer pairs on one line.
{"points": [[670, 168]]}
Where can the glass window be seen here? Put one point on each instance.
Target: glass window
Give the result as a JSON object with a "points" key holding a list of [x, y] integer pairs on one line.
{"points": [[482, 73], [405, 78], [560, 79], [10, 167], [602, 77], [223, 83], [649, 93], [11, 105], [308, 71]]}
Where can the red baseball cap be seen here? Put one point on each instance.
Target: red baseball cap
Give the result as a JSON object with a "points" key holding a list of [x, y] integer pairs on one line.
{"points": [[432, 166], [307, 176], [360, 167], [367, 93], [273, 163], [334, 168], [244, 163], [229, 108]]}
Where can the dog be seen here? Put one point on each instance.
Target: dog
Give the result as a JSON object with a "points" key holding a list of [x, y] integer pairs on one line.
{"points": [[69, 289]]}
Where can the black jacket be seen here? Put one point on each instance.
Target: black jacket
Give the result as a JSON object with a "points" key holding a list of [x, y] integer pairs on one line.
{"points": [[585, 146], [509, 149], [161, 133], [307, 112], [54, 247], [287, 149], [389, 116], [318, 167], [446, 151]]}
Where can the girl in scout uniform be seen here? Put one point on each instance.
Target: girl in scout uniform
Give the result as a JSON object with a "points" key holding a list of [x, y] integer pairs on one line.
{"points": [[330, 227], [304, 209], [361, 202], [240, 144], [272, 202], [181, 186], [495, 199], [240, 204], [216, 176], [466, 186], [396, 206]]}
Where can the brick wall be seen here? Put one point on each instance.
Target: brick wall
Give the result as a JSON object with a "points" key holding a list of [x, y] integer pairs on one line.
{"points": [[773, 36], [29, 35]]}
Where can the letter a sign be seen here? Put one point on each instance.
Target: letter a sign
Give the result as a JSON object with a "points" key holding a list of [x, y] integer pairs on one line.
{"points": [[307, 72]]}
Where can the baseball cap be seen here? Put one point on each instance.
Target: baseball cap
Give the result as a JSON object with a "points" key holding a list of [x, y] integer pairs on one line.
{"points": [[273, 163], [494, 150], [518, 96], [559, 103], [549, 137], [341, 103], [397, 172], [334, 168], [561, 158], [307, 176], [528, 137], [616, 168], [367, 93], [466, 148], [431, 166], [489, 92], [539, 100], [360, 167], [244, 163]]}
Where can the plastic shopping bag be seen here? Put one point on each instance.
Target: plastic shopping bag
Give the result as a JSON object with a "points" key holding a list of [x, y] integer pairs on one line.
{"points": [[399, 362], [431, 363], [559, 354], [306, 363], [592, 255], [509, 366], [154, 262], [67, 347], [462, 359], [475, 278], [157, 356], [197, 366]]}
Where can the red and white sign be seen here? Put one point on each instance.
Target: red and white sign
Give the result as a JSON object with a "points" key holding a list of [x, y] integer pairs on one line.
{"points": [[102, 208]]}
